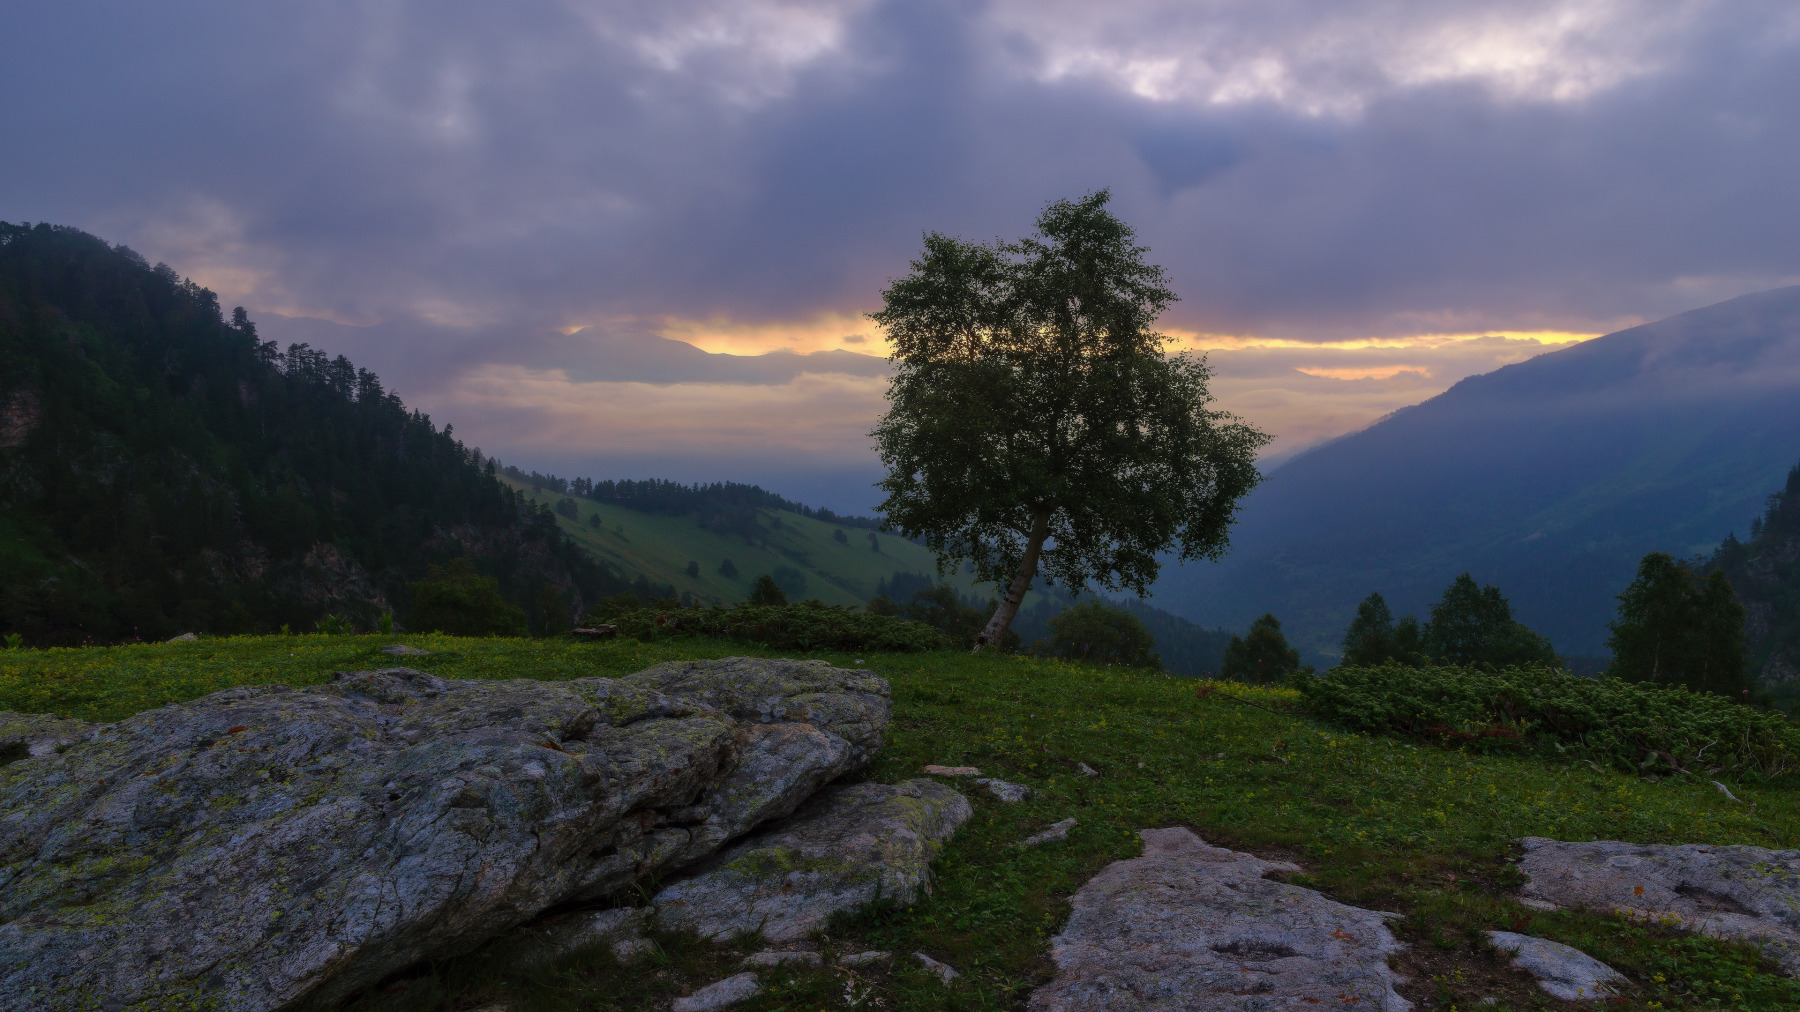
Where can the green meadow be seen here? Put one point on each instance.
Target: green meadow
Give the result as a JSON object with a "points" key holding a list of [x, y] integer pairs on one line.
{"points": [[1379, 822]]}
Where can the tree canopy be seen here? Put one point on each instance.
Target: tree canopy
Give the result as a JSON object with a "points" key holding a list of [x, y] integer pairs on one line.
{"points": [[1473, 624], [1035, 421], [1261, 655], [1675, 628], [1375, 638]]}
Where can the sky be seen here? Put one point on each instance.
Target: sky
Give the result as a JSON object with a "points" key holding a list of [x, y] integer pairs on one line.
{"points": [[638, 239]]}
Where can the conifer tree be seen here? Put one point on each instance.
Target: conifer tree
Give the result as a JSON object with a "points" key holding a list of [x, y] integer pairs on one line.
{"points": [[1677, 629]]}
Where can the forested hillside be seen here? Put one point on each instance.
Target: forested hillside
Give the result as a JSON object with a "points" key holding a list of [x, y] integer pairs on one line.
{"points": [[163, 470], [1765, 572]]}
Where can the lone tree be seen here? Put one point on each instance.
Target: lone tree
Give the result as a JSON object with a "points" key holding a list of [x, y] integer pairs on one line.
{"points": [[1035, 422]]}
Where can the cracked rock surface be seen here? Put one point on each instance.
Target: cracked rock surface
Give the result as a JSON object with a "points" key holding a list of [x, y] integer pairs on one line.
{"points": [[1562, 970], [847, 847], [1192, 926], [1748, 894], [275, 848]]}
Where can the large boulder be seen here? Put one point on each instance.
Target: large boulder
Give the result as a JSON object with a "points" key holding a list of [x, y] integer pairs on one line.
{"points": [[275, 848], [1192, 926], [1747, 894], [848, 847]]}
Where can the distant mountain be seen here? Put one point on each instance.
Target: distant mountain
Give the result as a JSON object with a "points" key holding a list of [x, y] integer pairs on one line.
{"points": [[1549, 479], [165, 470]]}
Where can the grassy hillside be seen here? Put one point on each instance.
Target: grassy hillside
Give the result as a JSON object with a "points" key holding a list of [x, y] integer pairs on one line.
{"points": [[659, 548], [1376, 822]]}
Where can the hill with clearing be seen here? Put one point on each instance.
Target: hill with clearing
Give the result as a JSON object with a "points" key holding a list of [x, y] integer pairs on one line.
{"points": [[1549, 479]]}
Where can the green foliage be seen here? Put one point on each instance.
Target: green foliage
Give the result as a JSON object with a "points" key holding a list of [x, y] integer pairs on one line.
{"points": [[1100, 634], [12, 641], [177, 473], [808, 625], [455, 598], [1378, 822], [1031, 405], [693, 569], [1474, 625], [1765, 574], [767, 592], [332, 625], [1676, 629], [728, 570], [1629, 726], [791, 581], [1262, 655], [1375, 638]]}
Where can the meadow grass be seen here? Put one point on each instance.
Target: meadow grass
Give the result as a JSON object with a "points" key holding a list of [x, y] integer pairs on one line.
{"points": [[1377, 822]]}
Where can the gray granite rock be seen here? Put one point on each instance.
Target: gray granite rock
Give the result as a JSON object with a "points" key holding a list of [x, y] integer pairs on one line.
{"points": [[1012, 794], [39, 735], [273, 848], [1563, 970], [944, 971], [847, 847], [1057, 833], [723, 994], [402, 650], [1748, 894], [772, 957], [1191, 926], [864, 958]]}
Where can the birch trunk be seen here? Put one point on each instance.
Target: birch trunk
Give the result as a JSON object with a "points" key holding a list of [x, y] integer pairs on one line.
{"points": [[1021, 582]]}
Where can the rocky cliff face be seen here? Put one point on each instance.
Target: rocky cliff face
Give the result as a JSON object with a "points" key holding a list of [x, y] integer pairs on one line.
{"points": [[271, 848]]}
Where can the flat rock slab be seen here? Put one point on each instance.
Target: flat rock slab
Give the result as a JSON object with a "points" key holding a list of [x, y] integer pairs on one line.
{"points": [[1563, 970], [1057, 833], [1010, 793], [844, 849], [272, 848], [1748, 894], [723, 994], [1192, 926]]}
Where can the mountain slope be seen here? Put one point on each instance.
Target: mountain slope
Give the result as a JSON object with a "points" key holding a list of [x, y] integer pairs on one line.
{"points": [[1549, 478], [163, 470]]}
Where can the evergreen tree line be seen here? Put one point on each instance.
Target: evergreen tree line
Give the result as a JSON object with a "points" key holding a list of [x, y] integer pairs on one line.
{"points": [[1765, 573], [164, 470], [727, 506]]}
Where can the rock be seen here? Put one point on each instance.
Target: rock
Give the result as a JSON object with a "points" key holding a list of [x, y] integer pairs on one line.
{"points": [[1057, 833], [847, 847], [772, 957], [183, 638], [1190, 926], [1725, 791], [268, 847], [1088, 771], [1563, 970], [725, 993], [630, 950], [1747, 894], [944, 971], [864, 958], [555, 938], [598, 632], [37, 735], [953, 771], [1009, 793], [402, 650]]}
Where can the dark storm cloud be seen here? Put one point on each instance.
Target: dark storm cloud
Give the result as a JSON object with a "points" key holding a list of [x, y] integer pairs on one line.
{"points": [[563, 163], [1320, 170]]}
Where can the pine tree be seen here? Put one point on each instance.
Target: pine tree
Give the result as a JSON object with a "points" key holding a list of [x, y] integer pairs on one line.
{"points": [[1676, 629], [1261, 655]]}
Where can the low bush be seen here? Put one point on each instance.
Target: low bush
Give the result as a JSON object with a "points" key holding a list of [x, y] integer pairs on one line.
{"points": [[809, 625], [1630, 726]]}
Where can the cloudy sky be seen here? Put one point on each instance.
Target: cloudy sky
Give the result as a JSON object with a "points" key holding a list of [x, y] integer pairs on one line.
{"points": [[577, 229]]}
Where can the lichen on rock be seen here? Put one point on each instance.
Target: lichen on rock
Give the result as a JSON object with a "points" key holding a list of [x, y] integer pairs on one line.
{"points": [[846, 848], [271, 848]]}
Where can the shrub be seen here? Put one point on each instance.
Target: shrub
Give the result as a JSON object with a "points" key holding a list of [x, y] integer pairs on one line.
{"points": [[728, 569], [1630, 726], [809, 625], [455, 599], [766, 592], [1093, 632]]}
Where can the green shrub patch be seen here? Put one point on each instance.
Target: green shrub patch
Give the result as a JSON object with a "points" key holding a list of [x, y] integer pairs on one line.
{"points": [[1625, 725], [808, 625]]}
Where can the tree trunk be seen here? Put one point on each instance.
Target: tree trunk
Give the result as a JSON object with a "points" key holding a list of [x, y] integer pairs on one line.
{"points": [[1021, 582]]}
